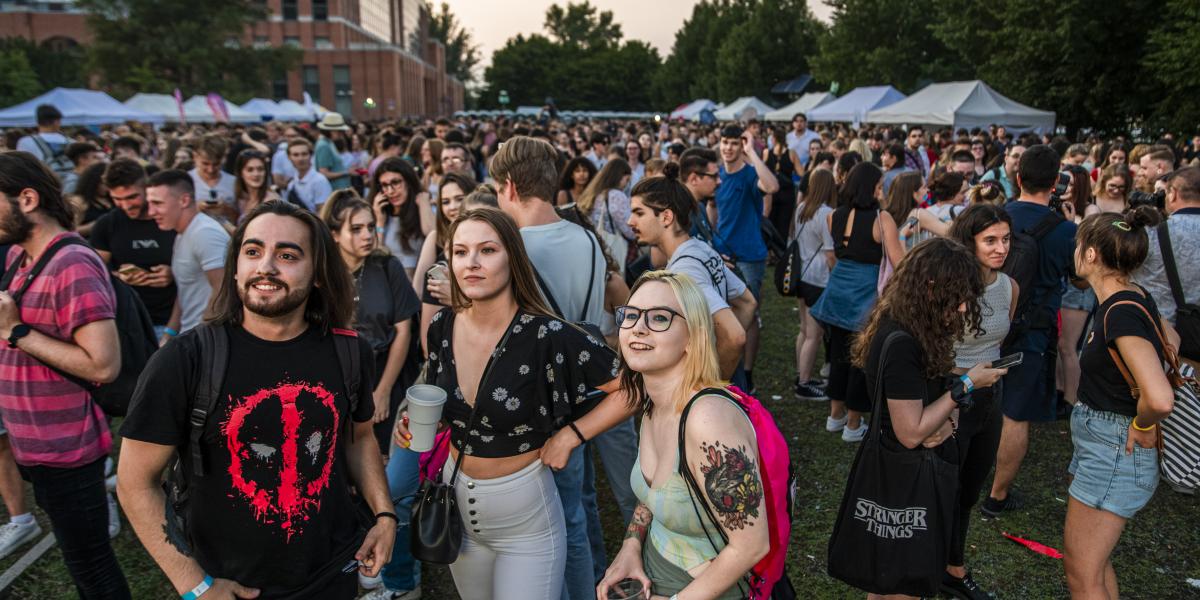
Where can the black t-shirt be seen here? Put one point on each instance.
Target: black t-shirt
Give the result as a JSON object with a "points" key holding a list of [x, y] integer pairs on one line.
{"points": [[538, 383], [142, 243], [274, 510], [385, 297], [1102, 386], [903, 373]]}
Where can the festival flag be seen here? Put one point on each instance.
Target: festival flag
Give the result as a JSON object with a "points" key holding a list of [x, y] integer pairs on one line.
{"points": [[217, 104], [179, 105]]}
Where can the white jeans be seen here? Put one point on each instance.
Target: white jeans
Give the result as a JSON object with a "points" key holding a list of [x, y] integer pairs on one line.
{"points": [[514, 536]]}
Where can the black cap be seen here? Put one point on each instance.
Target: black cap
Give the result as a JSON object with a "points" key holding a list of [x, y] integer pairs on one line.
{"points": [[47, 114], [731, 131]]}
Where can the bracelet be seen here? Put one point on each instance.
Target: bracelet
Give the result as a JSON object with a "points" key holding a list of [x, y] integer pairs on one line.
{"points": [[1135, 425], [967, 382], [170, 332], [199, 589], [578, 434], [387, 515]]}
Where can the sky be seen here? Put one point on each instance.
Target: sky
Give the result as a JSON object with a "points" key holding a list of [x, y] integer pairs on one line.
{"points": [[492, 23]]}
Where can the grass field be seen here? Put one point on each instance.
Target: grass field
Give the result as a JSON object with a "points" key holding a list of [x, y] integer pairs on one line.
{"points": [[1158, 553]]}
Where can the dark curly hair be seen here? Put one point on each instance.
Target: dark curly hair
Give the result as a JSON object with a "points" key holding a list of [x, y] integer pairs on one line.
{"points": [[924, 295]]}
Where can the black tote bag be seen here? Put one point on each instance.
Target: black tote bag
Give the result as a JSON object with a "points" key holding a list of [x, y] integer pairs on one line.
{"points": [[897, 516]]}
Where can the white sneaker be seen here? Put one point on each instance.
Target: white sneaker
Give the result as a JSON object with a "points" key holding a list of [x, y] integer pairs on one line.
{"points": [[114, 517], [854, 435], [833, 425], [15, 535], [385, 594], [371, 583]]}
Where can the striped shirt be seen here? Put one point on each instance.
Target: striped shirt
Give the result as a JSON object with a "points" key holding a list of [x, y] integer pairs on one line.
{"points": [[52, 421]]}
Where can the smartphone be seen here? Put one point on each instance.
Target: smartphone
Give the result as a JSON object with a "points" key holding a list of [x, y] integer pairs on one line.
{"points": [[910, 222], [1009, 361], [438, 271], [130, 270]]}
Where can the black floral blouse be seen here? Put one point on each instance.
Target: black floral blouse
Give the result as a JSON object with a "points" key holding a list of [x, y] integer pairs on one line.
{"points": [[538, 384]]}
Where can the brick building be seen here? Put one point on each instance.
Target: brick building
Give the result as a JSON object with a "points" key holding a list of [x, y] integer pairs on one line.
{"points": [[353, 50]]}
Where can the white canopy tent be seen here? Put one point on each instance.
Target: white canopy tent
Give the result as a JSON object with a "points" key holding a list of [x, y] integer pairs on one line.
{"points": [[693, 109], [803, 104], [268, 110], [198, 105], [964, 104], [746, 107], [78, 107], [854, 106], [159, 104]]}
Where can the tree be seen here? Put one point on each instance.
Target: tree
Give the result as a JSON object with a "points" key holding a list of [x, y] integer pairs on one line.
{"points": [[580, 25], [1170, 59], [54, 67], [765, 49], [158, 45], [462, 53], [20, 82]]}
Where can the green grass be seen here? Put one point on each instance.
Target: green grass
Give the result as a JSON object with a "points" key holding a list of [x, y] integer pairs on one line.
{"points": [[1159, 551]]}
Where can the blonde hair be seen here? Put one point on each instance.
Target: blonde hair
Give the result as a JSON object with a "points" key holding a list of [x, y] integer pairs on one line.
{"points": [[700, 366], [859, 146]]}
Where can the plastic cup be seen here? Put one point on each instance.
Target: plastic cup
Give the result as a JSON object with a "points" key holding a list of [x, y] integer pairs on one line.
{"points": [[425, 404], [628, 589]]}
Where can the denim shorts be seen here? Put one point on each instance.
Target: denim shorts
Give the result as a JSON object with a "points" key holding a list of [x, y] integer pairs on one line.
{"points": [[1105, 477], [1077, 299]]}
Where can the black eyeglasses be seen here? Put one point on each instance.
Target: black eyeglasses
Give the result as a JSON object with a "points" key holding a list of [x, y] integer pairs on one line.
{"points": [[715, 176], [658, 318]]}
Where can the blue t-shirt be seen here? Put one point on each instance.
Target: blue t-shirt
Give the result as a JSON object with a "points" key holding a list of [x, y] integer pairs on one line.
{"points": [[1056, 254], [739, 215]]}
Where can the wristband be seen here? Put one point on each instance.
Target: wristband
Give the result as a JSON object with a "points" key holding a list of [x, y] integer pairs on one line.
{"points": [[199, 589], [1135, 426], [170, 332], [387, 515], [970, 385], [578, 434]]}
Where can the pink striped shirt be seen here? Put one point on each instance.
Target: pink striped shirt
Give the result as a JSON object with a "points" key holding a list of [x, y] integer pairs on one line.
{"points": [[52, 421]]}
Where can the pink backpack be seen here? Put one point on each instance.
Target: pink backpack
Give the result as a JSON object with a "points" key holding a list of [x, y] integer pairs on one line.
{"points": [[767, 579]]}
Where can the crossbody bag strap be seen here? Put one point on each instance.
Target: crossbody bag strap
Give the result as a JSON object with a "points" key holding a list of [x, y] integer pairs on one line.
{"points": [[1171, 359], [475, 409], [591, 272], [1168, 256], [546, 292]]}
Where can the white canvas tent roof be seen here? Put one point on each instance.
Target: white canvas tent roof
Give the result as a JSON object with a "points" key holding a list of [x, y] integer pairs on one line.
{"points": [[271, 110], [854, 106], [693, 109], [78, 107], [198, 105], [747, 107], [159, 104], [803, 104], [195, 110], [964, 104]]}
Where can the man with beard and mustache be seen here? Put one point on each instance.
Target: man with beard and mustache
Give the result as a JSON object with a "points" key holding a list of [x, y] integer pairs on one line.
{"points": [[198, 259], [268, 470], [136, 250], [60, 328]]}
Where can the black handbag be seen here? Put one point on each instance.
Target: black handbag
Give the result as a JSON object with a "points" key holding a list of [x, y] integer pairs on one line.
{"points": [[894, 526], [791, 267], [437, 529]]}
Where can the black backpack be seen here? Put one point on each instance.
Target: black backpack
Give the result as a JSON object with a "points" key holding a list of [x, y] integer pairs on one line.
{"points": [[135, 332], [212, 350], [1187, 316], [1024, 258]]}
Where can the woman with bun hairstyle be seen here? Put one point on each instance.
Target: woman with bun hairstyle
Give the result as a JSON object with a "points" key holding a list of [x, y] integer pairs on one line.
{"points": [[660, 215], [1113, 427]]}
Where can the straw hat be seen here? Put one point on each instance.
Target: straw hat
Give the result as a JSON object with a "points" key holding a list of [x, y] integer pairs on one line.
{"points": [[333, 122]]}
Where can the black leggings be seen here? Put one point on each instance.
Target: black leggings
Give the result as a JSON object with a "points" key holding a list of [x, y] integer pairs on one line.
{"points": [[978, 437], [847, 383]]}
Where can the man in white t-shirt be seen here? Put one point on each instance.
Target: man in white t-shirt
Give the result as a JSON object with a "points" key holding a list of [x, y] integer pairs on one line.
{"points": [[661, 214], [213, 186], [282, 170], [198, 258], [800, 136], [309, 187]]}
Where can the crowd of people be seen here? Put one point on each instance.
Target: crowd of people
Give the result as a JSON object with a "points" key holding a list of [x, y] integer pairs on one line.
{"points": [[579, 291]]}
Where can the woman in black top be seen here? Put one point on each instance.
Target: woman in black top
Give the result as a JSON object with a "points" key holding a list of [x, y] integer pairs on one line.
{"points": [[782, 161], [931, 302], [513, 376], [1113, 428]]}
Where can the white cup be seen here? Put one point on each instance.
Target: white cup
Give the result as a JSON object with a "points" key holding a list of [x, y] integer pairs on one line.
{"points": [[425, 404]]}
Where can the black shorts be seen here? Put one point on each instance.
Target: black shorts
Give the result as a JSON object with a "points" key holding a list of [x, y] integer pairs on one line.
{"points": [[810, 293]]}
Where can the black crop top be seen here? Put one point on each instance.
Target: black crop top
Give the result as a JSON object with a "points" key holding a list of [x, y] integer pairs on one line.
{"points": [[537, 384], [861, 247]]}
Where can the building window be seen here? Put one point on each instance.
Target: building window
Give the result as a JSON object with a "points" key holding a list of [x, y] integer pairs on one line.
{"points": [[322, 43], [262, 41], [291, 40], [312, 82], [291, 10], [279, 88], [320, 10], [342, 94]]}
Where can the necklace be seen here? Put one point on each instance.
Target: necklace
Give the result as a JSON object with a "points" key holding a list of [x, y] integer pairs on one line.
{"points": [[358, 275]]}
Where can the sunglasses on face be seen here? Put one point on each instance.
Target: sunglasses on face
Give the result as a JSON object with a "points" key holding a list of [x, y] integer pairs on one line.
{"points": [[658, 319]]}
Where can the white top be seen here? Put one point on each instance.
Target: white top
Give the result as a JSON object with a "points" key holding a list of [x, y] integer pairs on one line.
{"points": [[281, 164], [799, 143], [56, 141], [223, 189], [312, 189], [814, 239], [559, 252], [201, 247], [704, 266], [391, 239], [994, 308]]}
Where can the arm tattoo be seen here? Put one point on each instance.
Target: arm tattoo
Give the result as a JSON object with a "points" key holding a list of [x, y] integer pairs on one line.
{"points": [[640, 523], [732, 484]]}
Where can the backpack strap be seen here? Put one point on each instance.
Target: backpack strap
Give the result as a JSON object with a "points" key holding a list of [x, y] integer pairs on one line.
{"points": [[47, 151], [549, 296], [214, 361], [1168, 257], [1043, 227], [11, 272], [345, 341]]}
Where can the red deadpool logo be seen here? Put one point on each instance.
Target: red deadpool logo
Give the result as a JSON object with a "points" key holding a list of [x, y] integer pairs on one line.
{"points": [[281, 444]]}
